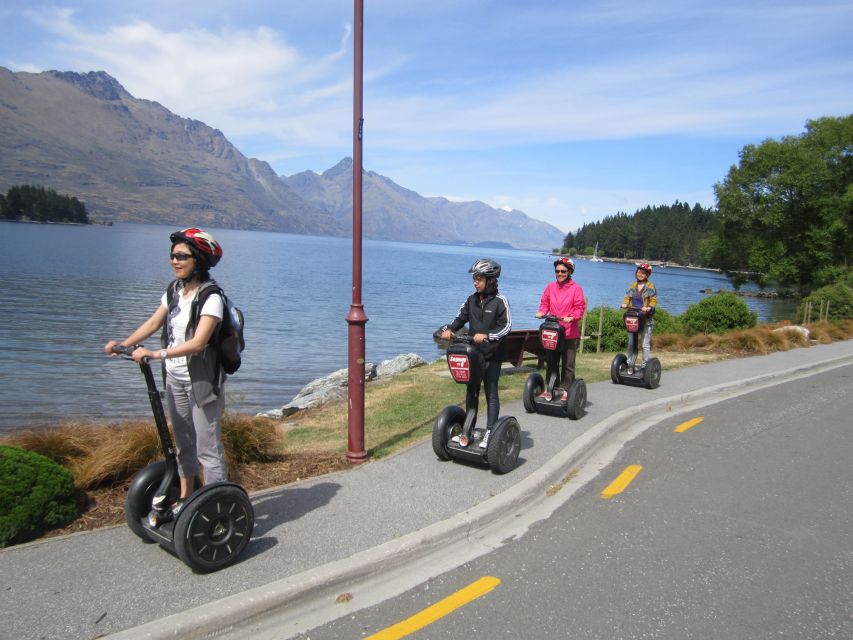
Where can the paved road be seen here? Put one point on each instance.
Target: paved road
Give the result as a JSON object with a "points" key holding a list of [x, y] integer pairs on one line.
{"points": [[738, 527], [317, 538]]}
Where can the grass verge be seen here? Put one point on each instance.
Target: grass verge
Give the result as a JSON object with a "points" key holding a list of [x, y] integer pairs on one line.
{"points": [[399, 412]]}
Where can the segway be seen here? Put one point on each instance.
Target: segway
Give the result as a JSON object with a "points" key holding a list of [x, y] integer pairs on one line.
{"points": [[546, 397], [214, 525], [455, 434], [623, 371]]}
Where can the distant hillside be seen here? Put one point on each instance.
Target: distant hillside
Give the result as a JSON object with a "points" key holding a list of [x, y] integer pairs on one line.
{"points": [[133, 160], [394, 212]]}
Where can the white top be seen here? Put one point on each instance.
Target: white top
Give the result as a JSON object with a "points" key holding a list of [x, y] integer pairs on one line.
{"points": [[213, 306]]}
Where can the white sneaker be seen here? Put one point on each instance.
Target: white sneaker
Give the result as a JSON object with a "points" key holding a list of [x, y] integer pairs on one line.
{"points": [[485, 441]]}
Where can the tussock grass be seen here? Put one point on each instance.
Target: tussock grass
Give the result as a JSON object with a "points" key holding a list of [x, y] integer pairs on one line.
{"points": [[121, 450], [105, 454], [826, 332], [750, 341], [94, 453], [249, 439]]}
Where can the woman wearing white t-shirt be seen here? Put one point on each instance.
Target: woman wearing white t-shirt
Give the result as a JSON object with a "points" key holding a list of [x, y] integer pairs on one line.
{"points": [[194, 378]]}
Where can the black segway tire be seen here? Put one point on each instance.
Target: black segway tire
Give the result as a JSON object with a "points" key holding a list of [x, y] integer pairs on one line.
{"points": [[533, 387], [448, 424], [576, 405], [504, 445], [214, 527], [618, 362], [651, 374], [137, 502]]}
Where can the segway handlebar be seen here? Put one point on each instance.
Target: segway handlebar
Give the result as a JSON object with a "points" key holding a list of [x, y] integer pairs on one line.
{"points": [[466, 338], [640, 310], [126, 352]]}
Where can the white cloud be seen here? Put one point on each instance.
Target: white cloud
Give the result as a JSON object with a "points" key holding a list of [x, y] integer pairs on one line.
{"points": [[252, 81], [241, 81]]}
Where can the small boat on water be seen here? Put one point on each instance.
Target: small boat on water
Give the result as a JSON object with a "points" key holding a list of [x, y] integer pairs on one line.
{"points": [[595, 257]]}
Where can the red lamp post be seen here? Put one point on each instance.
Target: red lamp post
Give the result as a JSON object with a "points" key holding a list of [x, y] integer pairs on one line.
{"points": [[356, 317]]}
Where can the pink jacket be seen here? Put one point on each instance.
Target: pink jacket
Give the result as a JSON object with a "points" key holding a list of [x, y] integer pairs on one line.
{"points": [[563, 301]]}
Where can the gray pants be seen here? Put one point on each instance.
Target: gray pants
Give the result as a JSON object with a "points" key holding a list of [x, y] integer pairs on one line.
{"points": [[198, 432], [647, 343]]}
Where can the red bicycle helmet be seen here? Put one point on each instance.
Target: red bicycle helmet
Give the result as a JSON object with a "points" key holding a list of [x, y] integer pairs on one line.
{"points": [[567, 262], [645, 266], [200, 240]]}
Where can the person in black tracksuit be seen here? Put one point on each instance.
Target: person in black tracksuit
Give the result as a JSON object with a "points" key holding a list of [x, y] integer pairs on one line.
{"points": [[489, 321]]}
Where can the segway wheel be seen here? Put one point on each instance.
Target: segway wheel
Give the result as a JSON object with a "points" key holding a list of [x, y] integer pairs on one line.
{"points": [[137, 502], [504, 446], [448, 424], [214, 527], [651, 374], [533, 387], [619, 362], [576, 405]]}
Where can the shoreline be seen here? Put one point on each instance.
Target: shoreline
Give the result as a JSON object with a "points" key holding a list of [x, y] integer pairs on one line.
{"points": [[660, 264]]}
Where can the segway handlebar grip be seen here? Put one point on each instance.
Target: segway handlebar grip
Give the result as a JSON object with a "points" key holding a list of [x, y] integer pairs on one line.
{"points": [[456, 337], [124, 351]]}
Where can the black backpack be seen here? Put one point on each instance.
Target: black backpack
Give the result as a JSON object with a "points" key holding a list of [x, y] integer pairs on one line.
{"points": [[228, 337]]}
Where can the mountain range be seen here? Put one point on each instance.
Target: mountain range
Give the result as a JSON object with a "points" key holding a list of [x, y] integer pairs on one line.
{"points": [[133, 160]]}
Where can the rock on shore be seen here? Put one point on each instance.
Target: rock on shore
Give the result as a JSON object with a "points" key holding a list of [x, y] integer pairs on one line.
{"points": [[333, 386]]}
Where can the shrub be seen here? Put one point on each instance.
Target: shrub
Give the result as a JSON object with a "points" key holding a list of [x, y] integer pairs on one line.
{"points": [[839, 296], [36, 494], [718, 314], [250, 439]]}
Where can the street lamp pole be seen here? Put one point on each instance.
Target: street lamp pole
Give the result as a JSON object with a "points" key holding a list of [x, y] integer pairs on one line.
{"points": [[356, 317]]}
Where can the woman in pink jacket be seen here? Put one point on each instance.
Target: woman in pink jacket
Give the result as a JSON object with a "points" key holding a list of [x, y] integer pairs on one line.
{"points": [[564, 299]]}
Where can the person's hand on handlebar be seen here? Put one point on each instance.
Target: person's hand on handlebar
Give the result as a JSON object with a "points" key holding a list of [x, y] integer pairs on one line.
{"points": [[447, 334], [141, 352], [566, 319], [108, 348], [624, 306], [480, 337]]}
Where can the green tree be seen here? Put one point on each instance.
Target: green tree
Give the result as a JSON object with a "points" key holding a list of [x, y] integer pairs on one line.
{"points": [[40, 204], [785, 211]]}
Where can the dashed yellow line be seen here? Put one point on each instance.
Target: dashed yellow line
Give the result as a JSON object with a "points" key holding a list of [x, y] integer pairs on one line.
{"points": [[437, 611], [684, 426], [621, 483]]}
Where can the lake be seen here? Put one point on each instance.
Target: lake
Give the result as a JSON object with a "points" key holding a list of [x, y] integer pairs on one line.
{"points": [[68, 289]]}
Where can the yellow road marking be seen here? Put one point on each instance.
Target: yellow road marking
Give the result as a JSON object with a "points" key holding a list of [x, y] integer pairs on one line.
{"points": [[684, 426], [437, 611], [621, 483]]}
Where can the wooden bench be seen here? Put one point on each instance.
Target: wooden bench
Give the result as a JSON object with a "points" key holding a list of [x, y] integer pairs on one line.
{"points": [[521, 341]]}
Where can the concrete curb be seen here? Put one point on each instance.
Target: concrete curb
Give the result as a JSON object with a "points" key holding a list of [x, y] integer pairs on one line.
{"points": [[229, 614]]}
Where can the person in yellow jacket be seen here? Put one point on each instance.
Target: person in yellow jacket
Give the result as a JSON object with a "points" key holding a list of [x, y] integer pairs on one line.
{"points": [[642, 295]]}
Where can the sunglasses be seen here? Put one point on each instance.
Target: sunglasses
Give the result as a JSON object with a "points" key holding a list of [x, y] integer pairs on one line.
{"points": [[180, 256], [561, 270]]}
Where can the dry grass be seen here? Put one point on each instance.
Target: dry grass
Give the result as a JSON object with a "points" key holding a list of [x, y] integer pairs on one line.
{"points": [[826, 332], [95, 454]]}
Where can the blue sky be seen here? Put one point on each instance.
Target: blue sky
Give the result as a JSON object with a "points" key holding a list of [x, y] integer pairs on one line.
{"points": [[567, 110]]}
